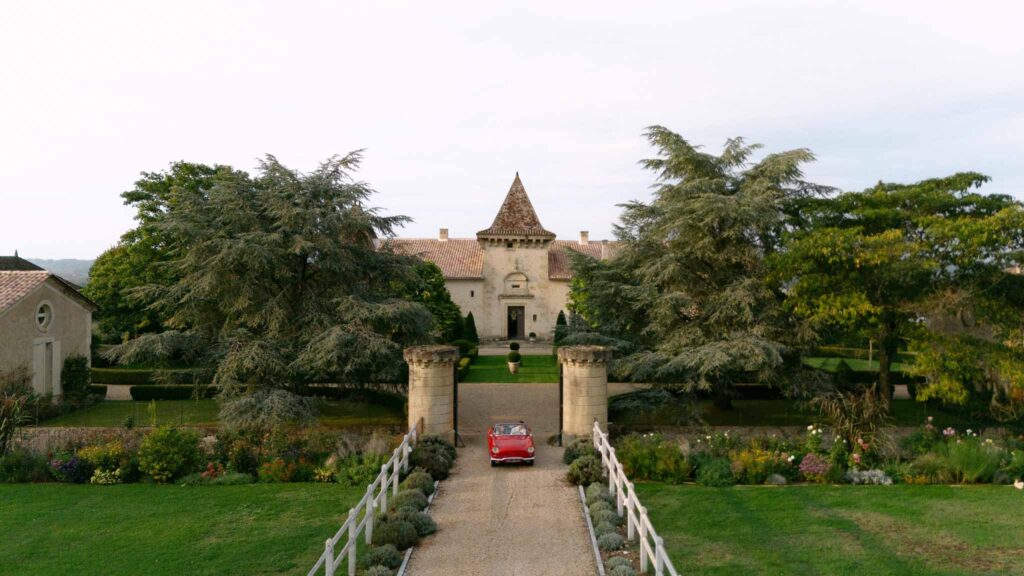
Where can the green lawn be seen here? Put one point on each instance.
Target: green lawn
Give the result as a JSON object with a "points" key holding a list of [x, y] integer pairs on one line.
{"points": [[908, 413], [64, 529], [795, 530], [495, 369], [334, 413]]}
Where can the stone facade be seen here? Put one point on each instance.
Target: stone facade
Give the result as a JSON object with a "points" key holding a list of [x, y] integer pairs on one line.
{"points": [[43, 320], [514, 276]]}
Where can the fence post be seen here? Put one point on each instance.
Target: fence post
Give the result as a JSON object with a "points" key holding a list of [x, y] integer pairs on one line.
{"points": [[643, 538], [353, 542], [384, 487], [394, 481], [405, 455], [620, 497], [659, 556], [329, 557], [630, 522], [371, 513]]}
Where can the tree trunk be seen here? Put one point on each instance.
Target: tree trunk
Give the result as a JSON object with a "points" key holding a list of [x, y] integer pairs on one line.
{"points": [[888, 346]]}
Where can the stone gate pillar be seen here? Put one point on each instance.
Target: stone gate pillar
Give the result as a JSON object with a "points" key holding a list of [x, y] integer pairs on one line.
{"points": [[585, 385], [432, 388]]}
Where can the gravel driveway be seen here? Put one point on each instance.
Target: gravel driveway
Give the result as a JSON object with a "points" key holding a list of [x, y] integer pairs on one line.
{"points": [[509, 520]]}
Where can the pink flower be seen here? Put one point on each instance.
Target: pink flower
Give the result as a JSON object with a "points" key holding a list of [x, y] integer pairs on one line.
{"points": [[948, 432]]}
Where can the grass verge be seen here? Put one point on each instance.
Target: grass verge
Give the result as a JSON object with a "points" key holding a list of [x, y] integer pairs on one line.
{"points": [[494, 369], [906, 530]]}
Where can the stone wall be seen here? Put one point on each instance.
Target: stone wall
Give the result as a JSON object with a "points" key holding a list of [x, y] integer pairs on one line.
{"points": [[542, 300], [432, 388], [585, 389]]}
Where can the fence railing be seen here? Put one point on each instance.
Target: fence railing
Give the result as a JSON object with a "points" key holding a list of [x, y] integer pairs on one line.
{"points": [[361, 516], [652, 547]]}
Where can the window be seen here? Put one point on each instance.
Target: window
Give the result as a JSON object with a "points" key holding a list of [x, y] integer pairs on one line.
{"points": [[508, 245], [517, 283], [44, 314], [472, 293], [534, 317], [517, 286]]}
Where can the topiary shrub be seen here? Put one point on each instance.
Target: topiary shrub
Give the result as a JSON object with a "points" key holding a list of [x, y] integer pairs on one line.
{"points": [[399, 533], [603, 528], [716, 472], [379, 570], [577, 448], [423, 523], [513, 346], [387, 556], [622, 570], [608, 516], [599, 506], [611, 541], [469, 329], [410, 498], [418, 479], [75, 377], [168, 453], [514, 357], [585, 470]]}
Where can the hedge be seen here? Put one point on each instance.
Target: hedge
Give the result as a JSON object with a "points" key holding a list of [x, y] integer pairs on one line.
{"points": [[142, 377], [97, 390], [151, 392]]}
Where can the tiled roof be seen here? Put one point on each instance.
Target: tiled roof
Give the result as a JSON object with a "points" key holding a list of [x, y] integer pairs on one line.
{"points": [[560, 263], [516, 217], [457, 258], [15, 285], [16, 263]]}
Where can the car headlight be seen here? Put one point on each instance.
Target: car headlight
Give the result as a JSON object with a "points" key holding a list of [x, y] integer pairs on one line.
{"points": [[530, 449], [494, 449]]}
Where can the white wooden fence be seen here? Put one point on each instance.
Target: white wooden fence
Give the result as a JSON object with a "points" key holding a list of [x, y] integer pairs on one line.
{"points": [[652, 547], [361, 516]]}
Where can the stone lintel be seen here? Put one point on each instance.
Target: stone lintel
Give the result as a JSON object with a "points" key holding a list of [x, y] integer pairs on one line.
{"points": [[584, 355], [431, 355]]}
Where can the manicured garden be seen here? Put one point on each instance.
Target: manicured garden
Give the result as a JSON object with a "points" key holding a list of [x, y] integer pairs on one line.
{"points": [[905, 530], [494, 369], [111, 413], [251, 529]]}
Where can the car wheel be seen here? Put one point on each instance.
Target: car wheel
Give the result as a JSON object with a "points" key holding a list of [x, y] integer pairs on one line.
{"points": [[493, 463]]}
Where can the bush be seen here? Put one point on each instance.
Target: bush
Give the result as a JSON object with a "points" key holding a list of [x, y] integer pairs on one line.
{"points": [[418, 479], [610, 541], [379, 570], [386, 555], [585, 470], [399, 533], [651, 457], [71, 468], [106, 477], [469, 329], [463, 368], [608, 516], [464, 346], [715, 472], [232, 479], [972, 461], [97, 390], [814, 468], [280, 470], [23, 466], [437, 442], [108, 456], [146, 393], [873, 477], [1014, 468], [513, 346], [931, 467], [602, 528], [410, 498], [514, 357], [576, 448], [622, 570], [599, 506], [168, 453], [756, 465], [432, 458], [75, 376], [598, 491], [13, 413], [616, 561], [424, 524], [358, 469]]}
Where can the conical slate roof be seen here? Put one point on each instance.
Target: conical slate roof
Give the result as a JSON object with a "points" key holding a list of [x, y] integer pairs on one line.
{"points": [[516, 216]]}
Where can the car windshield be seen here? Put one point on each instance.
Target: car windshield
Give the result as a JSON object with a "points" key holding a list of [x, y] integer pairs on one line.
{"points": [[510, 430]]}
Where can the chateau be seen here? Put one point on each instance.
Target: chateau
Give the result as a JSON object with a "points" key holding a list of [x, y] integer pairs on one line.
{"points": [[514, 276]]}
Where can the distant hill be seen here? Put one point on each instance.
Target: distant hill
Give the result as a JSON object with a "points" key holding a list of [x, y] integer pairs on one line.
{"points": [[76, 271]]}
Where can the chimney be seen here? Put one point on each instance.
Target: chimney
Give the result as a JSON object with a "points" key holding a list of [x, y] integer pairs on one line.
{"points": [[443, 236], [584, 236]]}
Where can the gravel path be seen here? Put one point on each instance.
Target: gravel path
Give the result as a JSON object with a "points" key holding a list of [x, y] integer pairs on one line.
{"points": [[509, 520]]}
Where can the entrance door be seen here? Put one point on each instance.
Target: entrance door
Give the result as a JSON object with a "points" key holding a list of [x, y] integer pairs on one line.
{"points": [[516, 322]]}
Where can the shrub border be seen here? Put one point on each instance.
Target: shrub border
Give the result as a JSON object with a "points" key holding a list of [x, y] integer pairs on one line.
{"points": [[590, 530], [408, 553]]}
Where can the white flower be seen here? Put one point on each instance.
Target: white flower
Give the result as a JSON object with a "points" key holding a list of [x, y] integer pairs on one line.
{"points": [[810, 427]]}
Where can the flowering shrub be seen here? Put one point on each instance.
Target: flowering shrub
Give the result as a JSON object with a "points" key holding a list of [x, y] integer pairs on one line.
{"points": [[279, 470], [106, 477], [169, 453], [107, 456], [814, 468], [324, 475], [718, 444], [755, 465], [651, 457], [213, 470], [70, 468]]}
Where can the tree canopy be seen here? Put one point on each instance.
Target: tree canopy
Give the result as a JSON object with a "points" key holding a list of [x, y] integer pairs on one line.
{"points": [[277, 284], [896, 262]]}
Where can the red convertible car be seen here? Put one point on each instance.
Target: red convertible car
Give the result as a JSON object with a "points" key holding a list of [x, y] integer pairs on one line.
{"points": [[510, 442]]}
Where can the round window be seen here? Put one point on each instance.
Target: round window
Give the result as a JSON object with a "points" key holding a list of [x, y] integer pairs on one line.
{"points": [[43, 316]]}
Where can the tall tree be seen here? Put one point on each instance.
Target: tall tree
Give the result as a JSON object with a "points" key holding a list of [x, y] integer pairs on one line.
{"points": [[139, 258], [428, 288], [279, 284], [893, 262], [690, 277]]}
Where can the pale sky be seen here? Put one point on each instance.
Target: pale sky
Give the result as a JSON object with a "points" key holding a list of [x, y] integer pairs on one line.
{"points": [[451, 99]]}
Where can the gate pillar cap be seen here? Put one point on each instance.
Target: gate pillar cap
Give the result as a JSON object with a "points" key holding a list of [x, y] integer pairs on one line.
{"points": [[435, 354], [585, 354]]}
